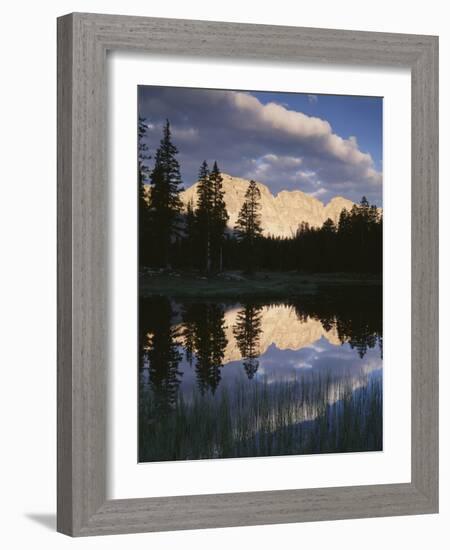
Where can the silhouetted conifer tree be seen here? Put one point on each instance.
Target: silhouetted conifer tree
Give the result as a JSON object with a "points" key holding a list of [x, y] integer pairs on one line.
{"points": [[204, 215], [143, 194], [219, 217], [165, 200], [248, 226], [190, 242]]}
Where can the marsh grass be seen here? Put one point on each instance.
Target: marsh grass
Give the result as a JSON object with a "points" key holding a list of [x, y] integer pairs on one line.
{"points": [[263, 284], [311, 413]]}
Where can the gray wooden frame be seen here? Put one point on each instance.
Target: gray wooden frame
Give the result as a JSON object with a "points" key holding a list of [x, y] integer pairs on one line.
{"points": [[83, 40]]}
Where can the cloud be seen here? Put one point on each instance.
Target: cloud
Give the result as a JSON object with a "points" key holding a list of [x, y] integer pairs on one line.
{"points": [[278, 146], [312, 98], [185, 134], [271, 168], [319, 193]]}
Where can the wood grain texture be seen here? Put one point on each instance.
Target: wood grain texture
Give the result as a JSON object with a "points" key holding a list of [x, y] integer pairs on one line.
{"points": [[64, 334], [424, 280], [83, 40]]}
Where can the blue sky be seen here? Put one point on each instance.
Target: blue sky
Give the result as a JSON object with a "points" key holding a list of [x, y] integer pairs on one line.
{"points": [[348, 115], [324, 145]]}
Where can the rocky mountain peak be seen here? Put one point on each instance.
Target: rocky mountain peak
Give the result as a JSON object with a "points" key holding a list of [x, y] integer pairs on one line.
{"points": [[281, 214]]}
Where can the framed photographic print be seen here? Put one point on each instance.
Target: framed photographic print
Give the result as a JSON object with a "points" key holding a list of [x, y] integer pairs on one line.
{"points": [[247, 268]]}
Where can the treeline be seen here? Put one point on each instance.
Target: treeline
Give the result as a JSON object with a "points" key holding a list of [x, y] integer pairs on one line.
{"points": [[197, 236], [354, 244]]}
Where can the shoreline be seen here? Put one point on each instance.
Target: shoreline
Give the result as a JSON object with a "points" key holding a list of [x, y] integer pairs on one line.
{"points": [[232, 284]]}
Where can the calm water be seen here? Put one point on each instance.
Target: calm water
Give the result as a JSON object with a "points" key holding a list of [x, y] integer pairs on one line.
{"points": [[297, 376]]}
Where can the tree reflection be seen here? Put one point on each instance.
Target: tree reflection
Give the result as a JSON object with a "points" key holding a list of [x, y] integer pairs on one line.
{"points": [[356, 315], [198, 329], [188, 330], [204, 337], [247, 332], [160, 352]]}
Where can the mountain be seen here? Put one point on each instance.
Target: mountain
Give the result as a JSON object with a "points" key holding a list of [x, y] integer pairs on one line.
{"points": [[281, 327], [280, 214]]}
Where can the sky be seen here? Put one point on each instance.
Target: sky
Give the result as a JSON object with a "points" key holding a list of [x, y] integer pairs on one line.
{"points": [[323, 145]]}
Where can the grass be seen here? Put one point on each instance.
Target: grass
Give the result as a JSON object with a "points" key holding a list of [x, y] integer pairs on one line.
{"points": [[229, 285], [310, 414]]}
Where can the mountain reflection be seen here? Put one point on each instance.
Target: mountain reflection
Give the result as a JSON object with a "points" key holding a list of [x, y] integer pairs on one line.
{"points": [[273, 367], [212, 335]]}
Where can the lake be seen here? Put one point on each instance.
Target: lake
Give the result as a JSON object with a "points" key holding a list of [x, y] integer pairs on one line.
{"points": [[301, 375]]}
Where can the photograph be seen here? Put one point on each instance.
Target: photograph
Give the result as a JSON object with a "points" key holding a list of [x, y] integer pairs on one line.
{"points": [[260, 276]]}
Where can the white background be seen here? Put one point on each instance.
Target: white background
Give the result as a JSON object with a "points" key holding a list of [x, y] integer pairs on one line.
{"points": [[127, 479], [28, 303]]}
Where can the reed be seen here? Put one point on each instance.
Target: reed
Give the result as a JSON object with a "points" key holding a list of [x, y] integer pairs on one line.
{"points": [[304, 415]]}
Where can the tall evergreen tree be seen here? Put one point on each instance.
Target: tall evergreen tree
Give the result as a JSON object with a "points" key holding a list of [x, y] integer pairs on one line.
{"points": [[364, 203], [143, 195], [248, 226], [165, 200], [219, 217], [190, 234], [211, 215], [329, 227], [204, 215], [143, 154]]}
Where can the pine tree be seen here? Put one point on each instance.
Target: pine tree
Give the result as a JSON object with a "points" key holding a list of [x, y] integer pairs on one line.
{"points": [[327, 246], [203, 215], [363, 229], [364, 203], [219, 217], [212, 216], [190, 234], [329, 226], [343, 220], [143, 155], [165, 200], [248, 226], [143, 180]]}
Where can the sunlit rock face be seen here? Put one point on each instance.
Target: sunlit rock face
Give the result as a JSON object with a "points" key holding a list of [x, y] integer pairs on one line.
{"points": [[280, 214]]}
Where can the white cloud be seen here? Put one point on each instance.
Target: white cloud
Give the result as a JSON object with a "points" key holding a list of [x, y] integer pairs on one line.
{"points": [[270, 142], [303, 128], [271, 168]]}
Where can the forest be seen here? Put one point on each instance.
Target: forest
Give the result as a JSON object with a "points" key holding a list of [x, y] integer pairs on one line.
{"points": [[199, 239]]}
